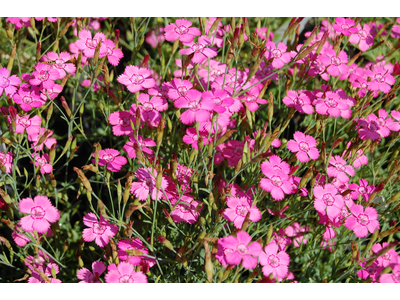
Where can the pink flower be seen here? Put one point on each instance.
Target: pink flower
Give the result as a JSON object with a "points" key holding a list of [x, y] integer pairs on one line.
{"points": [[43, 163], [198, 110], [19, 22], [251, 99], [28, 99], [364, 189], [298, 233], [336, 65], [238, 208], [299, 100], [389, 258], [44, 75], [186, 211], [60, 63], [99, 230], [395, 276], [155, 37], [373, 127], [48, 142], [363, 38], [328, 201], [111, 159], [215, 69], [242, 250], [36, 278], [40, 214], [124, 273], [279, 54], [345, 26], [192, 138], [32, 125], [221, 98], [8, 83], [181, 30], [147, 184], [178, 88], [136, 79], [262, 33], [273, 262], [381, 80], [339, 169], [277, 181], [361, 221], [151, 108], [129, 147], [122, 122], [6, 161], [373, 271], [20, 239], [87, 44], [304, 145], [113, 54], [201, 50], [86, 276], [135, 244]]}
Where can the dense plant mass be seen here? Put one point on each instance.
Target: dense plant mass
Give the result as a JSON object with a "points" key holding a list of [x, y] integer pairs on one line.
{"points": [[199, 149]]}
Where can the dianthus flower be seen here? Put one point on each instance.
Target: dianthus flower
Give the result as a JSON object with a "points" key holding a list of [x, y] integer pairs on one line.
{"points": [[85, 276], [242, 249], [336, 65], [155, 36], [6, 161], [273, 262], [151, 108], [8, 83], [87, 44], [328, 201], [186, 211], [48, 142], [124, 273], [197, 110], [181, 30], [111, 159], [299, 100], [339, 169], [43, 163], [147, 184], [178, 88], [136, 79], [381, 80], [192, 138], [304, 145], [19, 22], [277, 181], [125, 246], [36, 278], [221, 98], [251, 100], [297, 233], [129, 147], [361, 221], [215, 69], [395, 276], [389, 258], [40, 214], [345, 26], [28, 99], [20, 239], [44, 75], [373, 271], [202, 50], [122, 122], [113, 54], [279, 54], [60, 63], [363, 189], [238, 208], [363, 37], [373, 127], [99, 231]]}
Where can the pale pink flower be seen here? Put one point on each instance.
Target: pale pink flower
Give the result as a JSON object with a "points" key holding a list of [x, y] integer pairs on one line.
{"points": [[6, 161], [273, 262], [8, 83], [147, 184], [279, 54], [299, 100], [60, 63], [111, 159], [304, 146], [124, 273], [238, 208], [181, 30], [339, 168], [197, 110], [328, 201], [43, 163], [87, 44], [44, 75], [85, 276], [136, 79], [363, 37], [40, 214], [202, 50], [243, 250], [99, 231], [113, 54], [361, 221]]}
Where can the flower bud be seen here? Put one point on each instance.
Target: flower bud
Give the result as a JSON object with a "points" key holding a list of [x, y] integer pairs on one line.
{"points": [[84, 179]]}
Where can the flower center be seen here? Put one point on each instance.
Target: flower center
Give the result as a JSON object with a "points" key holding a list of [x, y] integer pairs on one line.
{"points": [[328, 199], [304, 146], [136, 79], [27, 99], [274, 261], [217, 101], [43, 75], [99, 228], [276, 53], [149, 182], [124, 121], [184, 209], [242, 248], [41, 161], [298, 101], [381, 122], [91, 43], [194, 105], [24, 122], [4, 82], [373, 126], [109, 51], [148, 106], [276, 181], [363, 219], [379, 77], [362, 190], [108, 158], [396, 278], [126, 279], [241, 211], [387, 256], [37, 213], [181, 30], [340, 167], [182, 90], [336, 61], [215, 72], [345, 26], [363, 35], [250, 98], [331, 103], [60, 64]]}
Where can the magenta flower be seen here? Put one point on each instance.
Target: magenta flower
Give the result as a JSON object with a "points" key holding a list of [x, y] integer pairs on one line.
{"points": [[192, 138], [221, 98], [111, 159], [201, 50], [48, 142], [147, 184], [198, 110], [275, 163], [28, 99], [345, 26], [389, 258], [129, 147], [113, 54], [297, 233], [40, 214], [20, 239], [363, 37], [277, 181], [299, 100], [134, 244], [85, 276], [242, 250], [122, 122], [339, 169], [155, 36], [124, 273], [99, 231], [238, 208], [178, 88], [273, 262], [381, 80], [19, 22], [36, 278], [361, 221], [61, 63], [136, 79], [44, 75], [87, 44], [373, 127], [32, 125], [251, 99], [363, 189], [336, 65], [328, 201], [279, 54], [305, 146], [151, 108], [186, 211], [43, 163], [6, 161], [8, 83], [181, 30], [395, 276], [215, 69]]}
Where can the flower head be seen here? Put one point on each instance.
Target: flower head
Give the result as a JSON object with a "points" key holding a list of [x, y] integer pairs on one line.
{"points": [[124, 273], [99, 230], [362, 221], [304, 147]]}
